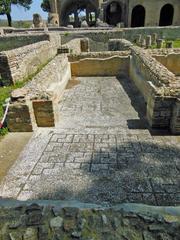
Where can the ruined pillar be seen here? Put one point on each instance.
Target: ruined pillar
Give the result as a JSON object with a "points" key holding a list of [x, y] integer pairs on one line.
{"points": [[53, 16], [148, 41], [169, 44], [138, 39], [84, 45], [154, 38], [159, 43]]}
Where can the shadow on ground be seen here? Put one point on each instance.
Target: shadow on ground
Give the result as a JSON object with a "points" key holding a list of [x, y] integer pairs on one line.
{"points": [[136, 172]]}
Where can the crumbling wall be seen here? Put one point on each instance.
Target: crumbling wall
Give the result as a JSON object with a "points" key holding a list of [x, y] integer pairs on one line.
{"points": [[111, 66], [40, 97], [20, 63], [12, 41], [101, 55], [170, 58], [158, 86]]}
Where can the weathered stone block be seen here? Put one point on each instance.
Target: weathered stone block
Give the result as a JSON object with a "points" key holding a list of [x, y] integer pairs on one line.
{"points": [[175, 120], [84, 43], [44, 113], [18, 118]]}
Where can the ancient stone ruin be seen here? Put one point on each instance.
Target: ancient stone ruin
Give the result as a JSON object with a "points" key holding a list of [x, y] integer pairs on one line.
{"points": [[102, 102]]}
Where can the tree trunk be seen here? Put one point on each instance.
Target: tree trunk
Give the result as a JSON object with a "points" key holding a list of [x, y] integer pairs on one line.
{"points": [[9, 19]]}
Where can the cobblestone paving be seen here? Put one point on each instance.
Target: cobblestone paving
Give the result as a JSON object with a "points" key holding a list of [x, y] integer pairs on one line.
{"points": [[100, 152]]}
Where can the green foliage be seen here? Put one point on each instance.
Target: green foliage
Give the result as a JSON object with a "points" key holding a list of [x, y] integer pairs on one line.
{"points": [[3, 131], [5, 93], [66, 34], [45, 5], [5, 7], [16, 24]]}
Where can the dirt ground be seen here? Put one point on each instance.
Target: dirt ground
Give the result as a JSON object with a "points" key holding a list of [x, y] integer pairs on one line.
{"points": [[10, 147]]}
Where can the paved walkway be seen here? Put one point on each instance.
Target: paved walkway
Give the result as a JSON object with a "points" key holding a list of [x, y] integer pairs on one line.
{"points": [[100, 152]]}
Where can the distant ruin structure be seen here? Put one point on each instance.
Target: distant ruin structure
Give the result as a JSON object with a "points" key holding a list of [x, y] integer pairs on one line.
{"points": [[37, 21], [131, 13]]}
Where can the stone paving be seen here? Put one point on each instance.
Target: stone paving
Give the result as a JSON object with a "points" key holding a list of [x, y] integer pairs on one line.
{"points": [[101, 151]]}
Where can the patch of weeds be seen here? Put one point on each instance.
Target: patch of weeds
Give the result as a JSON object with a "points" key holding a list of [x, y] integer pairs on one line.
{"points": [[66, 34], [3, 131]]}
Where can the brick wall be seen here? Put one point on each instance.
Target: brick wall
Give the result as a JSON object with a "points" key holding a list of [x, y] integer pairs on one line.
{"points": [[22, 62]]}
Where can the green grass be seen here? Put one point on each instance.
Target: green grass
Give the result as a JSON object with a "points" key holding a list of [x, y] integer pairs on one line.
{"points": [[4, 94], [16, 24], [176, 43]]}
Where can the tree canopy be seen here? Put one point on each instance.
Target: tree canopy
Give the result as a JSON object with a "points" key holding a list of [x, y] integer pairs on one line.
{"points": [[45, 5], [5, 7]]}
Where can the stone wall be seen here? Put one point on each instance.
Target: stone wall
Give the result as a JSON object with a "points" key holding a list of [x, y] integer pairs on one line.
{"points": [[74, 46], [151, 69], [158, 86], [99, 38], [17, 64], [40, 97], [170, 58], [12, 41], [18, 118], [111, 66], [87, 221], [175, 120], [101, 55]]}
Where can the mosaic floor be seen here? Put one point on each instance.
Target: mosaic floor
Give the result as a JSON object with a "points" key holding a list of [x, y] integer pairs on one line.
{"points": [[101, 151]]}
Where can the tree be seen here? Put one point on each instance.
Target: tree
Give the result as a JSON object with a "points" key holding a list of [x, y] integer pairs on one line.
{"points": [[45, 5], [5, 7]]}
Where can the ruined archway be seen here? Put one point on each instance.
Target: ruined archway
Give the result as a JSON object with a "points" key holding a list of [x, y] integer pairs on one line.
{"points": [[138, 16], [166, 15], [76, 11], [113, 13]]}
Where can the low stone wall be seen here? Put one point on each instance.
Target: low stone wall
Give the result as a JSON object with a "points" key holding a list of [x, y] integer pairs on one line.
{"points": [[158, 86], [101, 55], [17, 64], [170, 58], [119, 45], [9, 41], [169, 32], [112, 66], [99, 38], [85, 221], [40, 97], [74, 46]]}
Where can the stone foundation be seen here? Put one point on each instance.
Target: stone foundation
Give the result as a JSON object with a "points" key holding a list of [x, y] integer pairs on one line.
{"points": [[44, 113], [18, 119], [83, 221]]}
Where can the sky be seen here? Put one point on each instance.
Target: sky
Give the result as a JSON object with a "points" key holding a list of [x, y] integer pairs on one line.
{"points": [[18, 13]]}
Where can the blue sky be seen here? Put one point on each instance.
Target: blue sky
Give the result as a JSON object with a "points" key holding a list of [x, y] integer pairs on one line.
{"points": [[18, 13]]}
